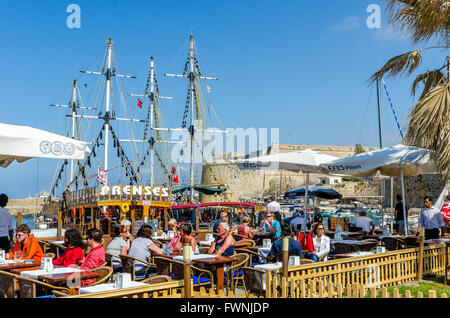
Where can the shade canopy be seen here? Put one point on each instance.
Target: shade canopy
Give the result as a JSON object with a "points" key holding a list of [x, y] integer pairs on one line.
{"points": [[273, 206], [21, 143], [388, 161], [204, 190], [317, 191], [305, 160]]}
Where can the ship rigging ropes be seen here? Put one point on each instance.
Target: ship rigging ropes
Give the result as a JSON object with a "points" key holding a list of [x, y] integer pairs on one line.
{"points": [[81, 172]]}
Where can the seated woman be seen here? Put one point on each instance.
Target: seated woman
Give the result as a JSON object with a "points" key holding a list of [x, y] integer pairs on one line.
{"points": [[244, 229], [74, 252], [128, 235], [143, 248], [223, 244], [172, 225], [26, 245], [119, 245], [185, 237], [321, 243]]}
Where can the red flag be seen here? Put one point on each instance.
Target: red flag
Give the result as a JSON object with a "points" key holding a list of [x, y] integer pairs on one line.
{"points": [[208, 88], [139, 103], [175, 177]]}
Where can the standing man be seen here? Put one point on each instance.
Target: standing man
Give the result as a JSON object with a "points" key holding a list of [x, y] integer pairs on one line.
{"points": [[431, 219], [398, 214], [223, 217], [6, 227]]}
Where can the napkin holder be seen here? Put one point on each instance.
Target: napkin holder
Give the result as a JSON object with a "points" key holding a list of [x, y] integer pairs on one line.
{"points": [[46, 264], [294, 260], [170, 234], [209, 237], [267, 243], [123, 280], [2, 256], [381, 249]]}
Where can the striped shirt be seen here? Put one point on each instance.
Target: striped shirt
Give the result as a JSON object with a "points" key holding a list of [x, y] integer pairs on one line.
{"points": [[431, 218]]}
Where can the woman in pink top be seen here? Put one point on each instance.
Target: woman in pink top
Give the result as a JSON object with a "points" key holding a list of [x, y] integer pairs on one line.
{"points": [[245, 230], [96, 257]]}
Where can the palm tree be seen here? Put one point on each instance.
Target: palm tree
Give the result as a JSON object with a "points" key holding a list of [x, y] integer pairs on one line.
{"points": [[429, 120]]}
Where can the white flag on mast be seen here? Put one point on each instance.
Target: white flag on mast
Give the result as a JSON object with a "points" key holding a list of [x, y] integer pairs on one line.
{"points": [[101, 175]]}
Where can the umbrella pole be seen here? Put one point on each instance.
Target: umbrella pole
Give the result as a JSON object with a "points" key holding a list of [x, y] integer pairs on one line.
{"points": [[392, 204], [306, 199], [404, 203]]}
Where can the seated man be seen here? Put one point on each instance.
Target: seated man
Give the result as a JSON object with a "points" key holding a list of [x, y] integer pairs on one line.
{"points": [[270, 225], [364, 222], [295, 248], [96, 257], [26, 244]]}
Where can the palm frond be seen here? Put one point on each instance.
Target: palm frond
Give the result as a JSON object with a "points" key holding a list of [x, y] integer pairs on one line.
{"points": [[430, 79], [406, 62], [422, 19], [429, 126]]}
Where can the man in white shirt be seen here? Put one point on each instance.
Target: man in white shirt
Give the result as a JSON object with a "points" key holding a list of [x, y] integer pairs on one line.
{"points": [[6, 227], [364, 222], [431, 218]]}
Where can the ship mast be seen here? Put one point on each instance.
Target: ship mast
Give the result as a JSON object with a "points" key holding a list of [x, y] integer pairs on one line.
{"points": [[73, 105], [193, 74], [152, 99]]}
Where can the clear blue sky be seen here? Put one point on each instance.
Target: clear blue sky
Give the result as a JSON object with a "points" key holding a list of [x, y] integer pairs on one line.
{"points": [[301, 66]]}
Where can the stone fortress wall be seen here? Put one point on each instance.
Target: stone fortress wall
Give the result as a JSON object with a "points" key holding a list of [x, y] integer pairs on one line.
{"points": [[247, 185]]}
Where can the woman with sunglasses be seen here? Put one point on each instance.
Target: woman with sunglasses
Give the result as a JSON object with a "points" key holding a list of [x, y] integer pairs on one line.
{"points": [[321, 243]]}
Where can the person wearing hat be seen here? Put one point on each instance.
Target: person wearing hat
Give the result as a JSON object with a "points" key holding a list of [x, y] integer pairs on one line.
{"points": [[127, 225]]}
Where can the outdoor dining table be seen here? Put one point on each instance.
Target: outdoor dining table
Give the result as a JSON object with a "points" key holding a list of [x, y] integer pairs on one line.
{"points": [[353, 254], [259, 237], [218, 261], [58, 275], [13, 264]]}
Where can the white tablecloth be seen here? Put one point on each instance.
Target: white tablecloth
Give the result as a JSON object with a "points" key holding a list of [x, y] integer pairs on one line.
{"points": [[205, 243], [263, 251], [57, 270], [269, 266], [106, 287], [193, 257], [357, 254]]}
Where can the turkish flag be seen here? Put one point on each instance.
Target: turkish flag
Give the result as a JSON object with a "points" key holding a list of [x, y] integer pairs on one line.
{"points": [[175, 177], [139, 103]]}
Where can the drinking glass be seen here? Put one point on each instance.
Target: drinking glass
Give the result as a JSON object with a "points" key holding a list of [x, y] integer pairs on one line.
{"points": [[17, 255]]}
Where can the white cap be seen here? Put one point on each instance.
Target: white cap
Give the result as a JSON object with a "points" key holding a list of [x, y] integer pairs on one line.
{"points": [[125, 222]]}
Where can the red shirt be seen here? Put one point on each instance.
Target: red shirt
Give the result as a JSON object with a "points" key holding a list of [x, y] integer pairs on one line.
{"points": [[70, 256]]}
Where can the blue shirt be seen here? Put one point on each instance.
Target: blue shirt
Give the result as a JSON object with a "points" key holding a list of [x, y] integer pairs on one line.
{"points": [[295, 248], [275, 224]]}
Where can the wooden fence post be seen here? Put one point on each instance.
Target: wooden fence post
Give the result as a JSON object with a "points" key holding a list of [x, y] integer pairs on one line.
{"points": [[59, 229], [420, 260], [132, 213], [166, 220], [446, 246], [196, 220], [285, 257], [187, 270], [19, 218]]}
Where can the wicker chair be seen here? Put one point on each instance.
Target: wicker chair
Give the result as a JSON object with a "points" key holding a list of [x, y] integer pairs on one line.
{"points": [[128, 266], [342, 248], [45, 246], [106, 272], [109, 259], [55, 247], [201, 277], [252, 255], [234, 272], [392, 243], [162, 266], [323, 256], [29, 287], [158, 243], [248, 241], [9, 284], [253, 281], [51, 255], [203, 249], [238, 237], [157, 279]]}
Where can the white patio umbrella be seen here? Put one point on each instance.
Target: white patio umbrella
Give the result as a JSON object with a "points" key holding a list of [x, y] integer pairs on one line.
{"points": [[308, 161], [21, 143], [399, 160]]}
